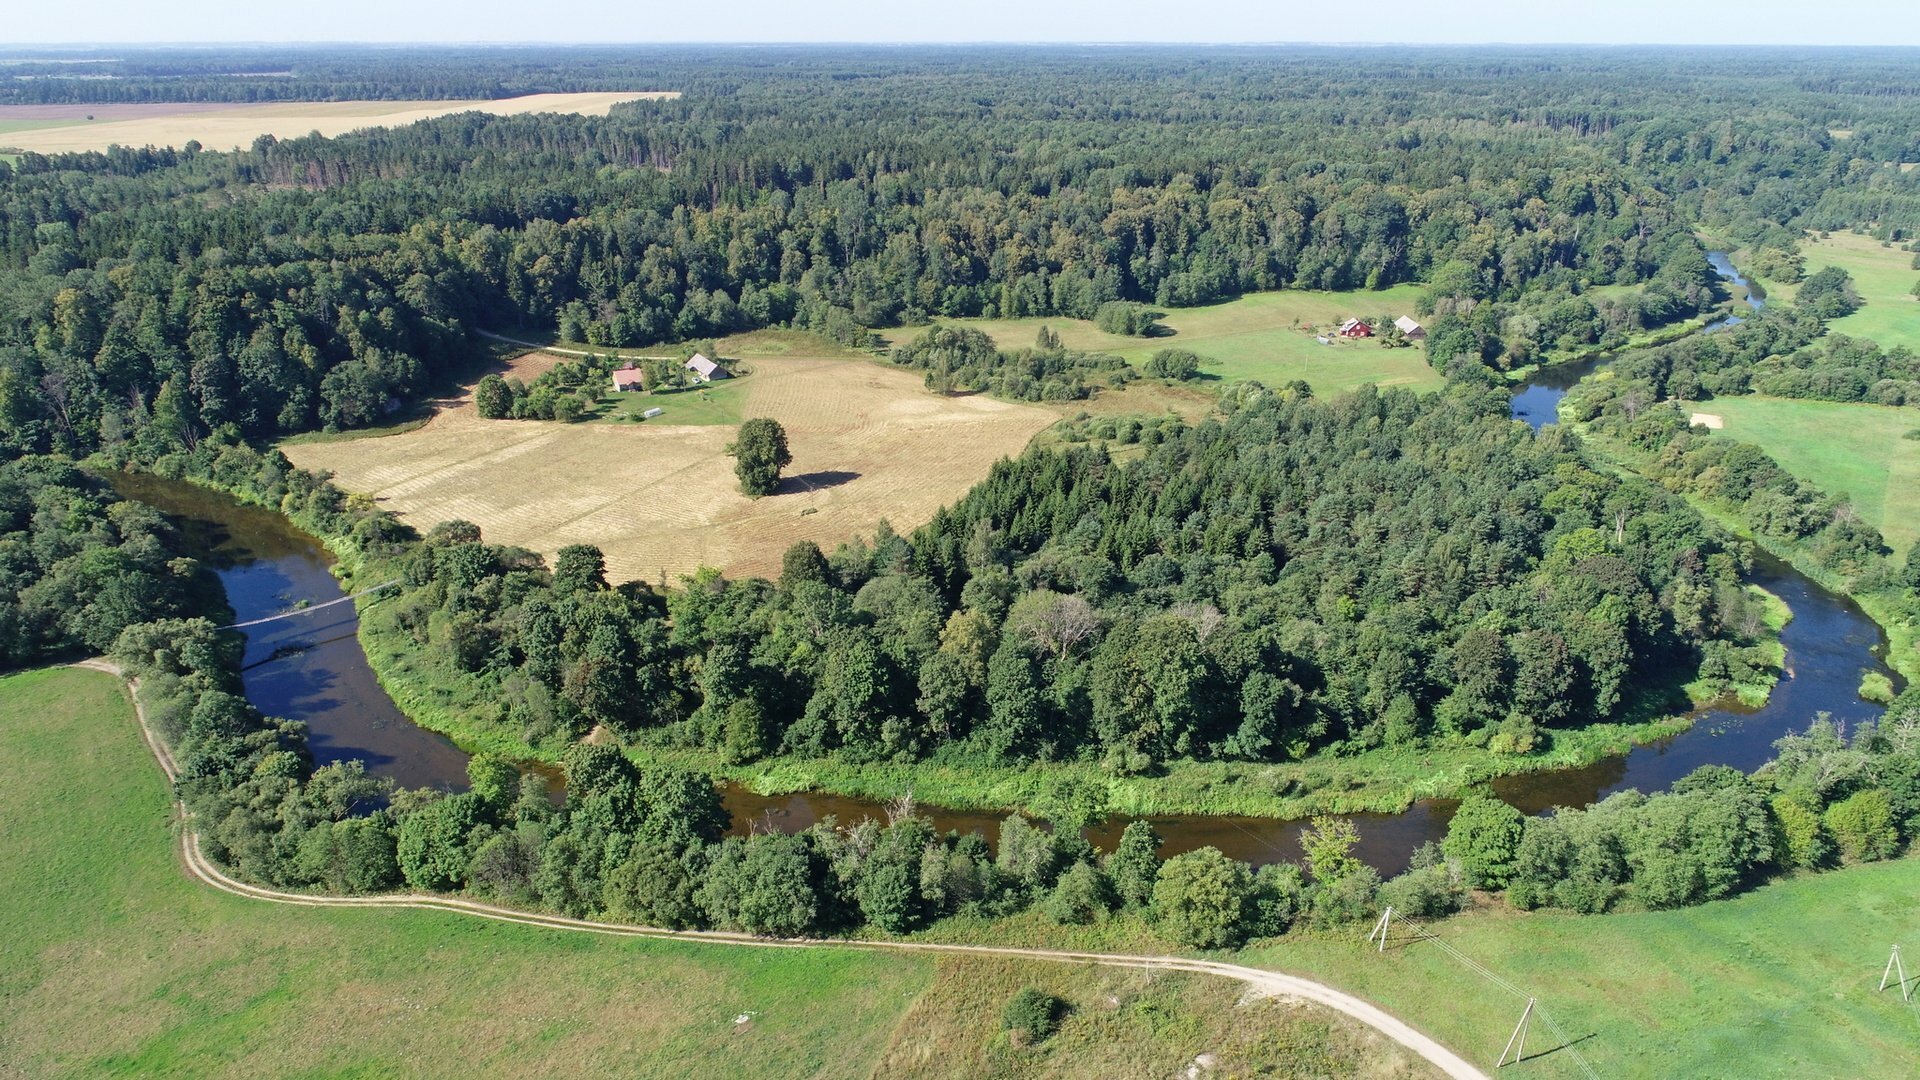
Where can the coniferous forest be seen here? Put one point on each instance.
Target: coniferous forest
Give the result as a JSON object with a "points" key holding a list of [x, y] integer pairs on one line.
{"points": [[1293, 576]]}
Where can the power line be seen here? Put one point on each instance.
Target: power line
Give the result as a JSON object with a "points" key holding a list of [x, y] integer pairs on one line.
{"points": [[311, 607], [1533, 1007]]}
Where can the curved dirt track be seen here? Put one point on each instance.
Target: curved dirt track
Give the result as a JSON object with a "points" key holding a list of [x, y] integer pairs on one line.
{"points": [[1271, 983]]}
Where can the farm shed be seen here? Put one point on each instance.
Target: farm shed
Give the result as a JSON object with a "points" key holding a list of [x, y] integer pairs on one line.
{"points": [[705, 370], [1412, 330]]}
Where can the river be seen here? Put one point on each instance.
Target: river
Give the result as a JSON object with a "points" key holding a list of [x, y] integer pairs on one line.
{"points": [[311, 668]]}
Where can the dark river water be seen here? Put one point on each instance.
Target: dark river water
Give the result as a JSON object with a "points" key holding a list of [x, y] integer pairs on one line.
{"points": [[311, 668]]}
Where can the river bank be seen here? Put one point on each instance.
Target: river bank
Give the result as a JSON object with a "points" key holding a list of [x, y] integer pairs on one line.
{"points": [[353, 715]]}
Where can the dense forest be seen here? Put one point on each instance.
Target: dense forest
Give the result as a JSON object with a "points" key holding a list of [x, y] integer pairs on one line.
{"points": [[644, 844], [1301, 576], [160, 294]]}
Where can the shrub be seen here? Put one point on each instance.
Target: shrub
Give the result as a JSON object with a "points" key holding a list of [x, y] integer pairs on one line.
{"points": [[1032, 1015], [1173, 364], [1862, 826], [1802, 840], [1202, 898], [1426, 892], [1483, 838], [1126, 317], [1082, 895]]}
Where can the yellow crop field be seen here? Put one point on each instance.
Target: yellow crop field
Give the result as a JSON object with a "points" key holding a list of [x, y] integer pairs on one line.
{"points": [[869, 443], [67, 128]]}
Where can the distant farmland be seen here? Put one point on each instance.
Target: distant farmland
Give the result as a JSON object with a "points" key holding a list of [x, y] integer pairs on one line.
{"points": [[52, 129], [869, 443]]}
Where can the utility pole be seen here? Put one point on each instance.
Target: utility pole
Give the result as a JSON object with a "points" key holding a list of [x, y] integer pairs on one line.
{"points": [[1894, 964], [1380, 928], [1517, 1043]]}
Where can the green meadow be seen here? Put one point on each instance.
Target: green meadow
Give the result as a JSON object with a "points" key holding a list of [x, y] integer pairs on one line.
{"points": [[114, 963], [1846, 448], [1269, 336], [1884, 277]]}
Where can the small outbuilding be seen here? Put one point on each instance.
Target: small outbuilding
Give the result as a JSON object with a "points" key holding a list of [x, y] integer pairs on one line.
{"points": [[1354, 328], [627, 378], [705, 370], [1409, 329]]}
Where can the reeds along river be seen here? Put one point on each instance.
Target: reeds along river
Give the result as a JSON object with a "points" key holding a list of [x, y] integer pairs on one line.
{"points": [[312, 669]]}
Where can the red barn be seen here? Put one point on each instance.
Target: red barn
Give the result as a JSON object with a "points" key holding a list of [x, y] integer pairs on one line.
{"points": [[1355, 328]]}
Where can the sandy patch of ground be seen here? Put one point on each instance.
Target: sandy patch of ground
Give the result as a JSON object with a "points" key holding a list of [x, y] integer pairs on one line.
{"points": [[226, 126], [661, 501], [1710, 421]]}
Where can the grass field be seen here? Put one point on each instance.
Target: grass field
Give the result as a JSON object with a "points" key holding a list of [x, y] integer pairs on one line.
{"points": [[1777, 983], [114, 963], [660, 498], [1849, 449], [59, 129], [1884, 277], [1266, 336]]}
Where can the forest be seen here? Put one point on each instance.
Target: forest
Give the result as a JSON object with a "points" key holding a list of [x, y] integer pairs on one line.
{"points": [[1287, 578], [161, 293]]}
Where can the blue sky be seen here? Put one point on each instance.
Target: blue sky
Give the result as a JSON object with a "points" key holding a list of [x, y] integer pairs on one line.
{"points": [[1833, 22]]}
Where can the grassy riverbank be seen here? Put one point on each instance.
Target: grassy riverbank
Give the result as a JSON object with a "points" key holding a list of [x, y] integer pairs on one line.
{"points": [[1903, 638], [112, 962]]}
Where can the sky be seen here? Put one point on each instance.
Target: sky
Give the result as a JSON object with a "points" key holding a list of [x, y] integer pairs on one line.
{"points": [[1780, 22]]}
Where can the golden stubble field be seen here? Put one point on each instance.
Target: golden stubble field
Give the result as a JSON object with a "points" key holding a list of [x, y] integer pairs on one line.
{"points": [[62, 129], [869, 443]]}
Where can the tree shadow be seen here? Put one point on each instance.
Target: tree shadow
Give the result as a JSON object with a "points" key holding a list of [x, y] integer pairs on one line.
{"points": [[814, 481]]}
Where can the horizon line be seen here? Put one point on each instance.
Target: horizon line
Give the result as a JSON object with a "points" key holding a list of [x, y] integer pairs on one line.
{"points": [[25, 46]]}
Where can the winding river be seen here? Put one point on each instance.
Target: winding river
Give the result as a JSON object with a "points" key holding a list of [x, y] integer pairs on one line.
{"points": [[311, 668]]}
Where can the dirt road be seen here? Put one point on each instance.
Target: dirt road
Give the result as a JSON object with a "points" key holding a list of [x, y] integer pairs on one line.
{"points": [[1257, 979]]}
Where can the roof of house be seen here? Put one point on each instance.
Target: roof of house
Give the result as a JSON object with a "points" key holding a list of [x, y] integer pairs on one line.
{"points": [[625, 377], [705, 367], [1406, 324]]}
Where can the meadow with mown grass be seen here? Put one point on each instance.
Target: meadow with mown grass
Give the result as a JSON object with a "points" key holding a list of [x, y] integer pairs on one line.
{"points": [[113, 962], [1857, 450], [1884, 276]]}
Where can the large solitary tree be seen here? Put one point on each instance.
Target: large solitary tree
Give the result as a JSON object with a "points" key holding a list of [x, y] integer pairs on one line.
{"points": [[759, 453]]}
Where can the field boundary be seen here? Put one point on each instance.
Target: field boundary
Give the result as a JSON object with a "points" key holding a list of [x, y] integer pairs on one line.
{"points": [[1260, 980]]}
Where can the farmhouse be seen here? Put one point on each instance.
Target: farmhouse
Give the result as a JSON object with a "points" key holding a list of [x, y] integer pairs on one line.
{"points": [[626, 378], [1354, 328], [1413, 331], [705, 370]]}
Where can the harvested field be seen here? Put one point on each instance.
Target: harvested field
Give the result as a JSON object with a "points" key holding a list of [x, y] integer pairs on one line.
{"points": [[661, 501], [61, 129]]}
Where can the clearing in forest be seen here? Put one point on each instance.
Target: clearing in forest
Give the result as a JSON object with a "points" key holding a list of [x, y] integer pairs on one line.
{"points": [[661, 500], [1268, 336], [1845, 448], [1884, 277], [54, 129]]}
